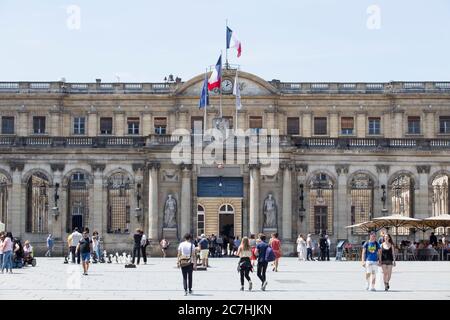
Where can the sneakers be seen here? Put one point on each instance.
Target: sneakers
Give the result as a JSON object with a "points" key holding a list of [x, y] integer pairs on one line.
{"points": [[367, 286], [185, 293], [372, 289], [242, 288], [264, 285], [250, 284], [190, 291]]}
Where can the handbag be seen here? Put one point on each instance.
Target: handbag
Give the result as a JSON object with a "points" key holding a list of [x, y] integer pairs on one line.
{"points": [[186, 262]]}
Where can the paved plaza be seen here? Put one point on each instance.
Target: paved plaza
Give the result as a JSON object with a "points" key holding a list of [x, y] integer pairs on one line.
{"points": [[159, 279]]}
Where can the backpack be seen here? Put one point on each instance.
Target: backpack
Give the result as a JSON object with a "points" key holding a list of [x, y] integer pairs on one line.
{"points": [[270, 255]]}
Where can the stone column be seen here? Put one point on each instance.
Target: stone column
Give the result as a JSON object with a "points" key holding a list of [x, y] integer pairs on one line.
{"points": [[334, 124], [147, 125], [55, 123], [341, 218], [254, 213], [398, 124], [361, 129], [17, 206], [387, 129], [269, 119], [182, 121], [23, 125], [186, 196], [171, 122], [55, 221], [153, 173], [429, 124], [383, 171], [421, 193], [306, 124], [92, 127], [119, 123], [242, 120], [286, 230], [97, 213]]}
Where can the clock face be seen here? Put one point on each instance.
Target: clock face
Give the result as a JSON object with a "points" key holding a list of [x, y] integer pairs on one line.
{"points": [[227, 86]]}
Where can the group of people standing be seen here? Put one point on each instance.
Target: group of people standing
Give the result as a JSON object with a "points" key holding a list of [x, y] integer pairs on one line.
{"points": [[306, 248]]}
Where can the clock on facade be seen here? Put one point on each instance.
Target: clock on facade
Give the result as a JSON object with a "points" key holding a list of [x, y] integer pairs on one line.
{"points": [[227, 86]]}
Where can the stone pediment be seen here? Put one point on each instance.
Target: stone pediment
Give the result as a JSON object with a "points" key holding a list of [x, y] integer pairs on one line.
{"points": [[250, 85]]}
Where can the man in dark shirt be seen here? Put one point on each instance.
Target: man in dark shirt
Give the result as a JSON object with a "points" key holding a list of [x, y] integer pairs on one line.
{"points": [[203, 247], [137, 237], [433, 240], [261, 248], [85, 248]]}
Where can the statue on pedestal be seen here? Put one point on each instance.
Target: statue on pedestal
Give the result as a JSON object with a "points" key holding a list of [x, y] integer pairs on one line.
{"points": [[170, 212], [270, 212]]}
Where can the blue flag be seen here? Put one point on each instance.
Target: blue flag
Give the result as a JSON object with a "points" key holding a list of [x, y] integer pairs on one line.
{"points": [[204, 97]]}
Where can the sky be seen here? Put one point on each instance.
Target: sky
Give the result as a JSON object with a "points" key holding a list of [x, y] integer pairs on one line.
{"points": [[292, 41]]}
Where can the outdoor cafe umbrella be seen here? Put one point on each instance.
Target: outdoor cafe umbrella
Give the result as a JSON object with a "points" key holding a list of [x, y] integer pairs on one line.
{"points": [[442, 220], [421, 225], [396, 221], [365, 226]]}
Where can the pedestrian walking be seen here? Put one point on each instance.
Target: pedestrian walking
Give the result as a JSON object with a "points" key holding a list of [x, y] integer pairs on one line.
{"points": [[203, 248], [261, 249], [76, 237], [187, 262], [137, 237], [301, 248], [144, 243], [96, 246], [164, 244], [370, 260], [327, 250], [245, 266], [2, 238], [252, 242], [309, 248], [275, 244], [322, 246], [387, 259], [7, 249], [50, 243], [84, 248]]}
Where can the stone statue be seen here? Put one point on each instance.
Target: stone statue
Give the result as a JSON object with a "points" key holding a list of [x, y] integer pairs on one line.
{"points": [[170, 212], [270, 212]]}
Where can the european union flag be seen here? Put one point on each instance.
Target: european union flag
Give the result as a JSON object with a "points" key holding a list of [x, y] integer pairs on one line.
{"points": [[204, 97]]}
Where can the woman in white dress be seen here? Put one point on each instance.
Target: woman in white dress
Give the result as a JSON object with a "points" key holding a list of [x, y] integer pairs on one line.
{"points": [[301, 248]]}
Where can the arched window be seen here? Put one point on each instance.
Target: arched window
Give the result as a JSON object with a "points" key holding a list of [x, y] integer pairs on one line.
{"points": [[402, 199], [440, 198], [321, 204], [226, 209], [200, 220], [37, 203], [78, 202], [119, 203], [361, 197], [3, 199], [226, 221]]}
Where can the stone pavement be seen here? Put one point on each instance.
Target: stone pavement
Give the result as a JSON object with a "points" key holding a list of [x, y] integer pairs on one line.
{"points": [[160, 279]]}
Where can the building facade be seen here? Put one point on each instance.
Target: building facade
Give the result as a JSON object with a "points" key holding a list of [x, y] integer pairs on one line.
{"points": [[100, 155]]}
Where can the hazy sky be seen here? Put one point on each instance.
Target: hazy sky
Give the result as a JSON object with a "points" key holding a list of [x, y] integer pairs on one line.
{"points": [[298, 40]]}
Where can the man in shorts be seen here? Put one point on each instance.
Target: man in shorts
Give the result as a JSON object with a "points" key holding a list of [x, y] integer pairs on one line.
{"points": [[371, 255], [84, 248], [203, 245]]}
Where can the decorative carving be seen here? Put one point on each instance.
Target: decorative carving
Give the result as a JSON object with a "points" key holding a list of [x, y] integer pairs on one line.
{"points": [[170, 212], [382, 168], [153, 165], [270, 212], [186, 166], [169, 175], [271, 179], [138, 167], [16, 165], [423, 169], [98, 167], [252, 166], [286, 165], [341, 169], [57, 166], [301, 168]]}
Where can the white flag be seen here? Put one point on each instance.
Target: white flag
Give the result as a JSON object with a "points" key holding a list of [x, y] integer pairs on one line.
{"points": [[237, 92]]}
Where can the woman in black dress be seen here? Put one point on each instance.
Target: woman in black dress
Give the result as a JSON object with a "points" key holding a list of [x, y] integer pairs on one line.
{"points": [[387, 259]]}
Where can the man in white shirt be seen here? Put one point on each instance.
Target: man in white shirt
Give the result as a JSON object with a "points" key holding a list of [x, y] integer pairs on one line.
{"points": [[76, 237]]}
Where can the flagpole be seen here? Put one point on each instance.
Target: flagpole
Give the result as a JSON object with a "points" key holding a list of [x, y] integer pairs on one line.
{"points": [[206, 104], [226, 47], [220, 91], [236, 84]]}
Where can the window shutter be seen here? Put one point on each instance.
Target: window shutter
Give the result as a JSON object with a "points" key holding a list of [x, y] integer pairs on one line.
{"points": [[160, 122], [255, 122], [347, 123], [293, 126]]}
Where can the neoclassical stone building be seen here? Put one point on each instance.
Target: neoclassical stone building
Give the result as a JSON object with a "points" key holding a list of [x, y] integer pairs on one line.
{"points": [[99, 155]]}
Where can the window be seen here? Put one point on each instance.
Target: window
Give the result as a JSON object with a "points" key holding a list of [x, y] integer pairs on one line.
{"points": [[374, 125], [321, 204], [78, 202], [320, 126], [255, 124], [347, 125], [119, 199], [197, 125], [414, 125], [105, 125], [79, 125], [37, 203], [160, 125], [7, 125], [402, 199], [440, 197], [230, 121], [38, 125], [200, 220], [293, 127], [133, 126], [444, 124], [361, 194]]}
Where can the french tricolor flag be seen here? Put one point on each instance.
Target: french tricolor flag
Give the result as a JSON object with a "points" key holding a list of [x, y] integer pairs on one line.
{"points": [[216, 75], [233, 41]]}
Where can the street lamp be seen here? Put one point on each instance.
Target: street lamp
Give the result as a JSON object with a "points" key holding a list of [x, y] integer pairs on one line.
{"points": [[138, 210], [55, 209]]}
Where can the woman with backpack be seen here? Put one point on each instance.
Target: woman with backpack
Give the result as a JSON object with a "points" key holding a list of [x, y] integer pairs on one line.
{"points": [[187, 262], [275, 244], [245, 266]]}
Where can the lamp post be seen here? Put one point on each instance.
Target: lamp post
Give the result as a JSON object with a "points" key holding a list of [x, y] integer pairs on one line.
{"points": [[55, 209], [301, 211], [138, 210]]}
